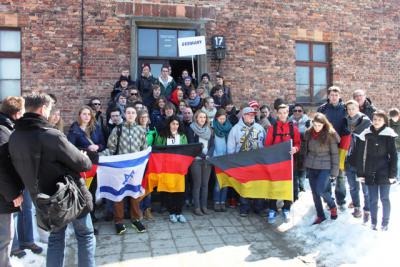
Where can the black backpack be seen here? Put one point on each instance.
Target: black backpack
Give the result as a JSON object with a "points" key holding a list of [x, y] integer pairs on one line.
{"points": [[275, 132]]}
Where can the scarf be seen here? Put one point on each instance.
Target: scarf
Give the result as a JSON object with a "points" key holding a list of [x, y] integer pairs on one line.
{"points": [[314, 135], [202, 132], [222, 130], [210, 113], [194, 102]]}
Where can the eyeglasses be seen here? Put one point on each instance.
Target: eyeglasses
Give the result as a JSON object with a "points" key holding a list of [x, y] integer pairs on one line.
{"points": [[134, 94], [297, 110], [96, 104]]}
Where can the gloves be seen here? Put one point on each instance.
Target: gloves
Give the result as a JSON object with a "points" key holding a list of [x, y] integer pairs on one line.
{"points": [[392, 180], [361, 179]]}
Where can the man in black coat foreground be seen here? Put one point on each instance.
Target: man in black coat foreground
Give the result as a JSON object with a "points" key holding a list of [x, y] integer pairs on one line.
{"points": [[41, 156]]}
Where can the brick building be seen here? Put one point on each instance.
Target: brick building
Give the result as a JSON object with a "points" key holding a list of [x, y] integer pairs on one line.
{"points": [[291, 49]]}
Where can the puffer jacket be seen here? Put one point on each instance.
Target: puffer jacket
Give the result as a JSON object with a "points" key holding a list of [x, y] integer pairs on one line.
{"points": [[132, 139], [322, 156], [380, 162]]}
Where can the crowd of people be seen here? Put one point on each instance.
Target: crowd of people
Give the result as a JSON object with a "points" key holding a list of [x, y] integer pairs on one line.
{"points": [[164, 112]]}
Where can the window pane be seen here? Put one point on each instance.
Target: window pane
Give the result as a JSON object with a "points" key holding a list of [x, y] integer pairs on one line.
{"points": [[147, 42], [155, 69], [10, 68], [168, 43], [9, 88], [303, 75], [320, 93], [319, 52], [302, 52], [10, 41], [303, 84], [182, 34], [302, 93], [320, 76]]}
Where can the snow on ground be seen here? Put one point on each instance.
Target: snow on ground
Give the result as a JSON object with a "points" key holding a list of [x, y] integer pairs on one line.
{"points": [[346, 241]]}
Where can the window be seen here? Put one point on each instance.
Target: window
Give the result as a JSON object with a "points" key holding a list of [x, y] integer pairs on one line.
{"points": [[312, 72], [160, 43], [10, 63]]}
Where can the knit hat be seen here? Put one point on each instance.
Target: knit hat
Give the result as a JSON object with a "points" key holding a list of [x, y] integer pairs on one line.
{"points": [[123, 78], [254, 104]]}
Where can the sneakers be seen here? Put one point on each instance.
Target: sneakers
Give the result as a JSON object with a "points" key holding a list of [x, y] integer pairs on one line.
{"points": [[333, 213], [223, 206], [365, 216], [357, 213], [138, 226], [173, 218], [147, 214], [342, 207], [318, 220], [120, 228], [384, 228], [271, 217], [33, 247], [181, 218], [373, 227], [198, 212], [286, 215], [217, 207], [19, 253]]}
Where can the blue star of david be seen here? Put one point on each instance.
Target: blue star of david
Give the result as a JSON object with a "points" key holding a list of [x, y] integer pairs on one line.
{"points": [[128, 176]]}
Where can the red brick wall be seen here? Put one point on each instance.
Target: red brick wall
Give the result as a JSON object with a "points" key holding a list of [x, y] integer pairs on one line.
{"points": [[260, 44]]}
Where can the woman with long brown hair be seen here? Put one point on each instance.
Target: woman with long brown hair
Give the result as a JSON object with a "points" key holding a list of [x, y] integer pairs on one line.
{"points": [[56, 120], [322, 162]]}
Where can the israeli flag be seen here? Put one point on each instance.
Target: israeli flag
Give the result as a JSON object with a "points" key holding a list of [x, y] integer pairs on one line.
{"points": [[121, 175]]}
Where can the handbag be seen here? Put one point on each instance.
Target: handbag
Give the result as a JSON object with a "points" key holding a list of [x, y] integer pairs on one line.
{"points": [[64, 206]]}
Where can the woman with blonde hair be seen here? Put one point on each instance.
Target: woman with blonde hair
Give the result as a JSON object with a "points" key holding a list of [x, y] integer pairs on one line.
{"points": [[322, 162]]}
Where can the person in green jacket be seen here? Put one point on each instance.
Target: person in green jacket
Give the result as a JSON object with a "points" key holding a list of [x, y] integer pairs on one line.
{"points": [[173, 135]]}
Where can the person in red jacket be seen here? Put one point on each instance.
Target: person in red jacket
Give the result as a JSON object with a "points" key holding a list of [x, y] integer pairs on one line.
{"points": [[282, 131]]}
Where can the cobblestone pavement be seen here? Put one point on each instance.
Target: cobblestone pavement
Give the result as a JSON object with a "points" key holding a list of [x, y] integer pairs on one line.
{"points": [[218, 239]]}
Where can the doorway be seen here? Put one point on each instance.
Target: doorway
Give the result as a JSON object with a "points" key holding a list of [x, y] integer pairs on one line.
{"points": [[177, 67]]}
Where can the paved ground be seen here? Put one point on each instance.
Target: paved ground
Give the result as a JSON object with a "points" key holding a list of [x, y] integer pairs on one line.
{"points": [[218, 239]]}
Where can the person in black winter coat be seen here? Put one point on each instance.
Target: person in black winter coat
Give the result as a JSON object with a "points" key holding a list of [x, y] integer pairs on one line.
{"points": [[11, 185], [145, 82], [377, 165], [42, 156]]}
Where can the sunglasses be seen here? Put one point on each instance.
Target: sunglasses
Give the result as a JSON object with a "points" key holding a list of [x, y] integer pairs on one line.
{"points": [[134, 94], [297, 110], [96, 104]]}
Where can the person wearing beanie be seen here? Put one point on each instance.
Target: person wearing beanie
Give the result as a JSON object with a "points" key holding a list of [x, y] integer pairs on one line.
{"points": [[124, 74], [206, 83], [123, 88]]}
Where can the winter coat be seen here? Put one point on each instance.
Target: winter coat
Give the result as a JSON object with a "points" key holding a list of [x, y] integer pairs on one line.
{"points": [[322, 156], [283, 134], [220, 102], [380, 158], [303, 124], [396, 127], [237, 136], [193, 138], [162, 141], [10, 182], [232, 116], [42, 156], [157, 120], [145, 86], [101, 120], [118, 83], [167, 89], [227, 92], [367, 108], [78, 137], [220, 146], [336, 115], [356, 125], [132, 139]]}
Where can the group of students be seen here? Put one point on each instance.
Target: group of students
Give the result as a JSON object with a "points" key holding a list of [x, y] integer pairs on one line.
{"points": [[162, 112]]}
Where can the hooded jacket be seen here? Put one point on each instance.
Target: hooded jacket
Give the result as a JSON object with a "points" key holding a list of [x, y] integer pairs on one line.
{"points": [[42, 155], [10, 182], [380, 162], [145, 86], [237, 135], [336, 115], [166, 89], [356, 125]]}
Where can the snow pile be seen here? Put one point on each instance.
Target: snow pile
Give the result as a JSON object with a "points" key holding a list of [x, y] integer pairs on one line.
{"points": [[346, 241]]}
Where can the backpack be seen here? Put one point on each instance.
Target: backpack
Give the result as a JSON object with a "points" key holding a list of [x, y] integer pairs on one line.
{"points": [[275, 132]]}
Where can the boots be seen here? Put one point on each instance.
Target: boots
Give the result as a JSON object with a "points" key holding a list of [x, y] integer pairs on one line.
{"points": [[147, 214]]}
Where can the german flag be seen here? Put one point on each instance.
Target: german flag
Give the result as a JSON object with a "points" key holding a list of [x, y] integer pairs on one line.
{"points": [[168, 166], [90, 174], [261, 173], [344, 146]]}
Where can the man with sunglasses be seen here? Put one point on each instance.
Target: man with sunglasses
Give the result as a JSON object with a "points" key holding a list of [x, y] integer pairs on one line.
{"points": [[101, 120]]}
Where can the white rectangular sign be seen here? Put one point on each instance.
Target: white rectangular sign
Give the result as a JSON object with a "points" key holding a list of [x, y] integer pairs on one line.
{"points": [[191, 46]]}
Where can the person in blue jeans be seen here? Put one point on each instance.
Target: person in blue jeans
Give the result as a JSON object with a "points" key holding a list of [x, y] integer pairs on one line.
{"points": [[24, 237], [221, 127], [394, 123], [322, 162], [377, 165], [356, 123]]}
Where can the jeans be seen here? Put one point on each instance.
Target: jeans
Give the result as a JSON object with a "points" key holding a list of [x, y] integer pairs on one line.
{"points": [[24, 227], [340, 189], [219, 194], [83, 228], [319, 181], [300, 179], [351, 174], [6, 237], [398, 166], [200, 171], [382, 191], [245, 204], [145, 203]]}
